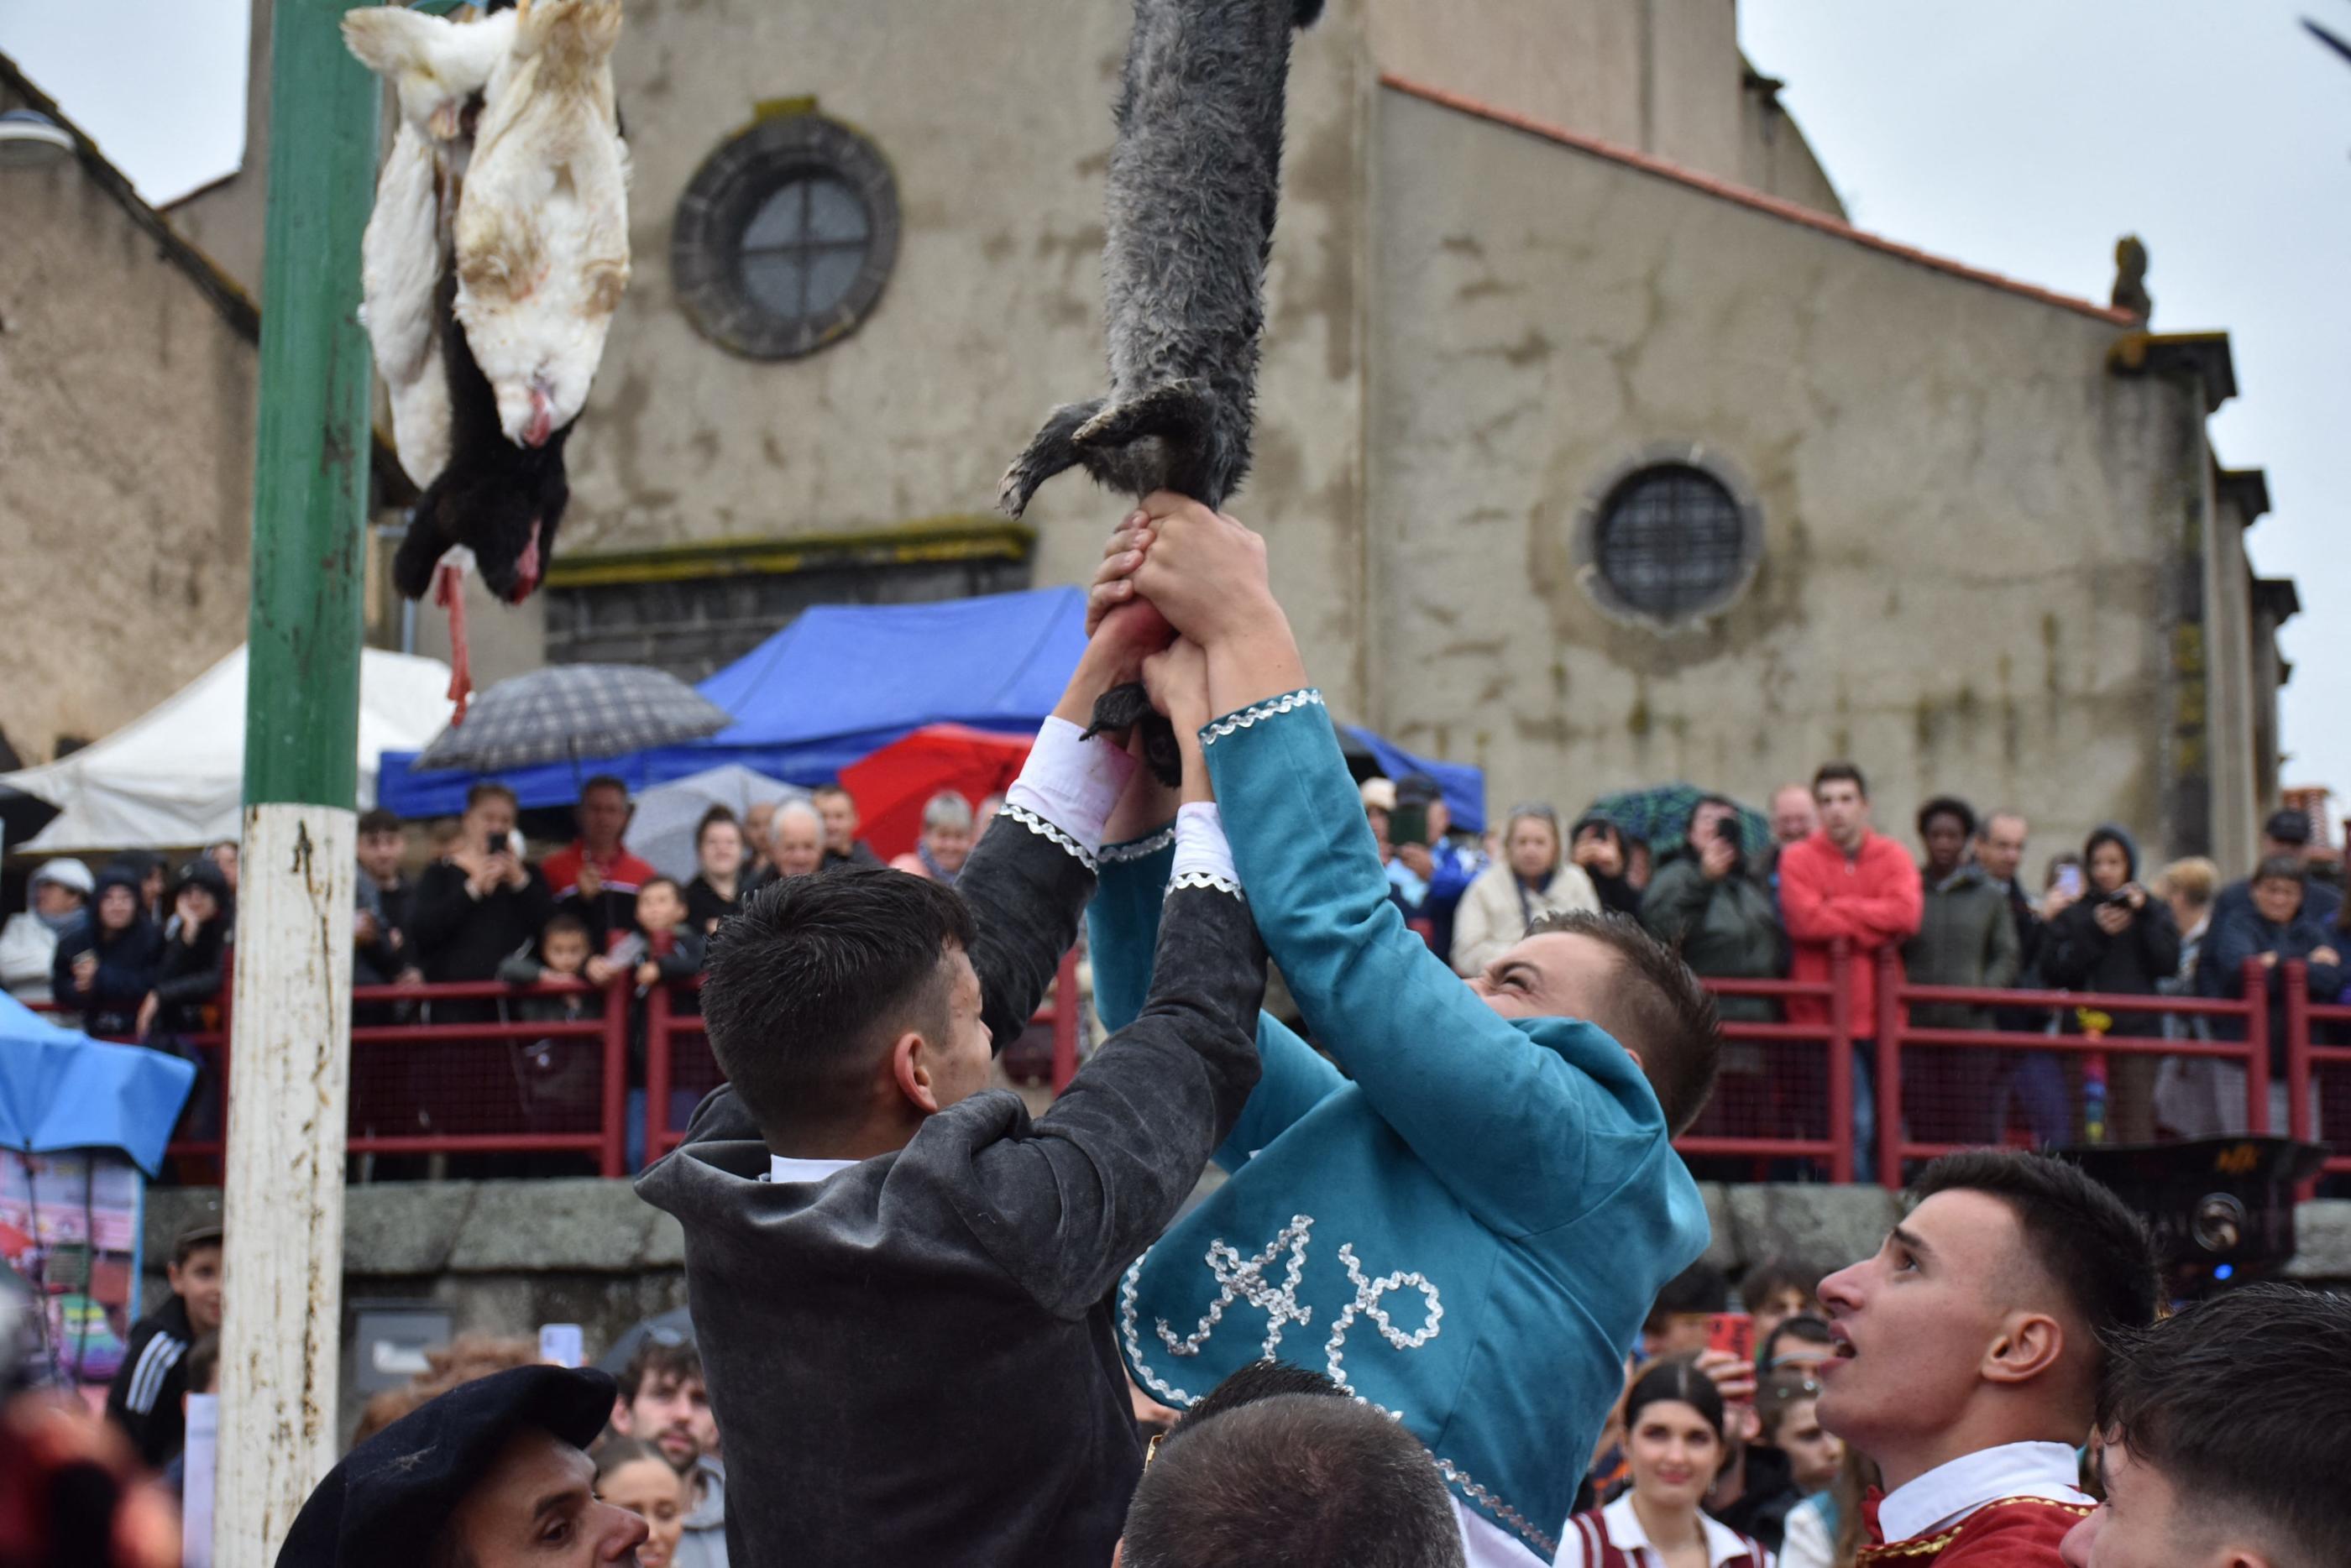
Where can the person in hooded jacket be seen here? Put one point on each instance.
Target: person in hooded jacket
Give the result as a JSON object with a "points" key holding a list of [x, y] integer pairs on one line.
{"points": [[2120, 938], [60, 893], [1706, 904], [2275, 925], [1599, 845], [196, 950], [1967, 936], [106, 966]]}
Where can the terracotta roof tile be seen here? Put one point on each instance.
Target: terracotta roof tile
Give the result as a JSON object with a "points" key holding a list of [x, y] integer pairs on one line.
{"points": [[1755, 200]]}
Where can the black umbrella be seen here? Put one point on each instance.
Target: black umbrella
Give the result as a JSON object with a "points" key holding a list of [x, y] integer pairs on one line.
{"points": [[574, 711]]}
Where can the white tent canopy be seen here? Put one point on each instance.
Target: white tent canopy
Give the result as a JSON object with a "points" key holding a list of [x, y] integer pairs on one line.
{"points": [[660, 833], [174, 776]]}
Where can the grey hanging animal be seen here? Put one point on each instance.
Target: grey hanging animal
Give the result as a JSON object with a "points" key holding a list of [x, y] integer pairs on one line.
{"points": [[1194, 180]]}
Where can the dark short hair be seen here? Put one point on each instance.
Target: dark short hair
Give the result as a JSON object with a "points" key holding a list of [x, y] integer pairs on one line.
{"points": [[481, 790], [2287, 827], [1677, 1378], [1829, 773], [662, 1358], [1278, 1465], [563, 923], [1659, 1010], [815, 975], [672, 883], [839, 789], [1767, 1279], [2085, 1239], [193, 1238], [2238, 1401], [204, 1362], [1947, 805], [1700, 1288], [2283, 868], [603, 780], [379, 820], [1803, 1326]]}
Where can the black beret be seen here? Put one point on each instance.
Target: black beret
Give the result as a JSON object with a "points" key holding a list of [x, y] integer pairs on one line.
{"points": [[384, 1504]]}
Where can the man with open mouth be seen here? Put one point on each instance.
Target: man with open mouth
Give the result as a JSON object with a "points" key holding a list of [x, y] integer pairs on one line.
{"points": [[1967, 1355]]}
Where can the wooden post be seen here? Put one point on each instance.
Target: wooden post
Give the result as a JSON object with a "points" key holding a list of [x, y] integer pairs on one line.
{"points": [[283, 1206]]}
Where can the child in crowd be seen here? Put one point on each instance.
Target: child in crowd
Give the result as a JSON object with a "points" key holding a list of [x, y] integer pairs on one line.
{"points": [[147, 1396], [558, 1078], [663, 951]]}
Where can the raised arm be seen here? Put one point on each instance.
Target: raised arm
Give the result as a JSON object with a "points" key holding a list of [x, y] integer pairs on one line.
{"points": [[1506, 1119], [1030, 877]]}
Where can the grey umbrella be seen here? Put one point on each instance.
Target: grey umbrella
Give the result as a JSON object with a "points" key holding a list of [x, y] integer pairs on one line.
{"points": [[574, 711]]}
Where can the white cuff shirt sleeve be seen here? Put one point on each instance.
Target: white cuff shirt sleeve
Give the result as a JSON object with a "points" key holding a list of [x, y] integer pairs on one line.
{"points": [[1203, 857], [1071, 783]]}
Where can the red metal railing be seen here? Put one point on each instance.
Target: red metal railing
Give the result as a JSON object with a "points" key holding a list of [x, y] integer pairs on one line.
{"points": [[455, 1087]]}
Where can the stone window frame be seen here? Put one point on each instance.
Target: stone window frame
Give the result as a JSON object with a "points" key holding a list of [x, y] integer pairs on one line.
{"points": [[1715, 465], [729, 190]]}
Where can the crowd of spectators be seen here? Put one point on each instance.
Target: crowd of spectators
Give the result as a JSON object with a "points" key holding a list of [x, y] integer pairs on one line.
{"points": [[1954, 911]]}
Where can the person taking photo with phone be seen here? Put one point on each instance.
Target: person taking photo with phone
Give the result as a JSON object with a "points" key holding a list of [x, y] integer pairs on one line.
{"points": [[2120, 939]]}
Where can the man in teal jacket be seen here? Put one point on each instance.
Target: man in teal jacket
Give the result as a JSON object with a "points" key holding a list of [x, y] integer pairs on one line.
{"points": [[1467, 1228]]}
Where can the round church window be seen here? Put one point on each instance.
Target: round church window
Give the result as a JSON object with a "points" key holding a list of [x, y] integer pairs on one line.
{"points": [[786, 236], [1665, 539]]}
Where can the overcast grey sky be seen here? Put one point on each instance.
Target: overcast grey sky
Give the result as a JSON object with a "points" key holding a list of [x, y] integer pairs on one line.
{"points": [[2019, 135]]}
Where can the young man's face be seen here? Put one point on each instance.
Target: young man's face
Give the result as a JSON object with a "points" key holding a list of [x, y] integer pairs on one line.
{"points": [[197, 1283], [671, 1413], [566, 952], [2142, 1525], [1844, 811], [840, 820], [536, 1506], [1814, 1454], [1947, 840], [1555, 974], [659, 909], [380, 854], [491, 817], [1913, 1324]]}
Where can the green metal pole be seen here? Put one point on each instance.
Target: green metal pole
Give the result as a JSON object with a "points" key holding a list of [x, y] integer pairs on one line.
{"points": [[290, 1044]]}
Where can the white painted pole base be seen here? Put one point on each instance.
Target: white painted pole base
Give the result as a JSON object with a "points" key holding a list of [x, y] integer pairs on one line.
{"points": [[289, 1061]]}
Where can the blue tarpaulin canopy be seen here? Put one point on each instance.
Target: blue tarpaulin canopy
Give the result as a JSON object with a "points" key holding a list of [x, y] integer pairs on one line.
{"points": [[61, 1090], [839, 683], [845, 680]]}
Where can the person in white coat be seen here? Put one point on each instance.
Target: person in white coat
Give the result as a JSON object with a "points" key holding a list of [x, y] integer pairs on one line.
{"points": [[28, 943], [1531, 879]]}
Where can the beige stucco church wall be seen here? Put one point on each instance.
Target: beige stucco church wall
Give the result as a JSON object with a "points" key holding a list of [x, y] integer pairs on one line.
{"points": [[1971, 527], [126, 432]]}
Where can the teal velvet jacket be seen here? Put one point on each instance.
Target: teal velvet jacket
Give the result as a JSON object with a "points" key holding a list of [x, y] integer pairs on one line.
{"points": [[1465, 1229]]}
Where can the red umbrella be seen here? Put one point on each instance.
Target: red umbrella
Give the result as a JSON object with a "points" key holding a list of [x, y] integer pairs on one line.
{"points": [[894, 783]]}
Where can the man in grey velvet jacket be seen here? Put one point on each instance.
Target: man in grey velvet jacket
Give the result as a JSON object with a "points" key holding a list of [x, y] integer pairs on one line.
{"points": [[900, 1281]]}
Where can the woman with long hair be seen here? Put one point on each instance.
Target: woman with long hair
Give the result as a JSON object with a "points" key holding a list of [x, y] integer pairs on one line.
{"points": [[1675, 1444], [1530, 879]]}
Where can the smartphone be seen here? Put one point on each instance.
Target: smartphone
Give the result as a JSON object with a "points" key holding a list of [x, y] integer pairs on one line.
{"points": [[1728, 831], [2069, 881], [1408, 824], [1733, 1333]]}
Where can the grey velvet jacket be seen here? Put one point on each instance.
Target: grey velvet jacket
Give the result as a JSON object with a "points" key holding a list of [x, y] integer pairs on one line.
{"points": [[911, 1360]]}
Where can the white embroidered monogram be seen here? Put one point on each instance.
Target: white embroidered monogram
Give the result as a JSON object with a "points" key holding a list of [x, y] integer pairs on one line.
{"points": [[1368, 1293], [1287, 703], [1044, 829]]}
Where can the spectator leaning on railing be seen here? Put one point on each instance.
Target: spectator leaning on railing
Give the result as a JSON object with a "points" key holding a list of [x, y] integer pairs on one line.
{"points": [[2272, 928], [1966, 937], [718, 885], [1705, 905], [477, 903], [595, 873], [106, 966]]}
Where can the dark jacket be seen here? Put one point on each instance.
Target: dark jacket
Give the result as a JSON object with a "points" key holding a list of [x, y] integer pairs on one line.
{"points": [[379, 963], [1724, 930], [860, 854], [127, 963], [1617, 894], [189, 976], [144, 1397], [455, 935], [2220, 967], [2031, 942], [706, 907], [913, 1359], [2081, 957], [1967, 936]]}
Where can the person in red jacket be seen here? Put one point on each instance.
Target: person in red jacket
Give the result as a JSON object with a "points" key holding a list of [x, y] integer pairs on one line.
{"points": [[1968, 1351], [595, 876], [1846, 883]]}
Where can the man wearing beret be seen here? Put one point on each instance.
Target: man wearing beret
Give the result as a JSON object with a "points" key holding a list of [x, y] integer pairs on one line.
{"points": [[493, 1474]]}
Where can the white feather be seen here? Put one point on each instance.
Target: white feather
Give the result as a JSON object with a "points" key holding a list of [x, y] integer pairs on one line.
{"points": [[400, 273]]}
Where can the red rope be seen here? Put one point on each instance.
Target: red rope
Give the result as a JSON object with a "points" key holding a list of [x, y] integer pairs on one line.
{"points": [[449, 593]]}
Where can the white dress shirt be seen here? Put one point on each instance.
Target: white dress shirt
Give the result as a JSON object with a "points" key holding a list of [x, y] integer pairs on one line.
{"points": [[782, 1168], [1623, 1524], [1949, 1492]]}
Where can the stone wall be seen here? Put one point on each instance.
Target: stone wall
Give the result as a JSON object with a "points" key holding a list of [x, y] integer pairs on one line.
{"points": [[504, 1257], [126, 432]]}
